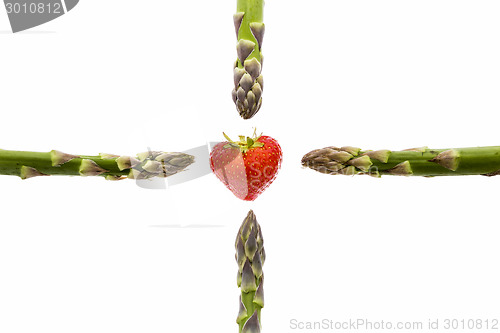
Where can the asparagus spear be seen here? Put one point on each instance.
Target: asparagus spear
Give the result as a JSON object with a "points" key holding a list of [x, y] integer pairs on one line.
{"points": [[411, 162], [150, 164], [250, 256], [248, 80]]}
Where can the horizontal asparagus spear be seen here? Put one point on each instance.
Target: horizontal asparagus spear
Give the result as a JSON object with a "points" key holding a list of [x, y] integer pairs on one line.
{"points": [[150, 164], [248, 80], [250, 256], [411, 162]]}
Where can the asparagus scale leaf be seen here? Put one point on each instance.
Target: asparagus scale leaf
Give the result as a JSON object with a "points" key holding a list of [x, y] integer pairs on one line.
{"points": [[145, 165], [250, 256], [411, 162], [248, 80]]}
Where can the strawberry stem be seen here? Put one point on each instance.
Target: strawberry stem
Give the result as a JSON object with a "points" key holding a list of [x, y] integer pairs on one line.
{"points": [[245, 143]]}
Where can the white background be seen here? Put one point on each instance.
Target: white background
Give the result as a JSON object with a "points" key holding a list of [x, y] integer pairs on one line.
{"points": [[86, 255]]}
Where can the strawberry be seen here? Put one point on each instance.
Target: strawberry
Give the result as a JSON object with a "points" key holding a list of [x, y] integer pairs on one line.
{"points": [[247, 167]]}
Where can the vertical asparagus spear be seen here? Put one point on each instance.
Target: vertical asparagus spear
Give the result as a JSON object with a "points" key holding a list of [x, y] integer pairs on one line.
{"points": [[145, 165], [411, 162], [248, 80], [250, 256]]}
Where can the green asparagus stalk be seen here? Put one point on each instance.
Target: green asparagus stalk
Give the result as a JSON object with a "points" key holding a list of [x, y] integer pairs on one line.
{"points": [[146, 165], [411, 162], [250, 256], [248, 80]]}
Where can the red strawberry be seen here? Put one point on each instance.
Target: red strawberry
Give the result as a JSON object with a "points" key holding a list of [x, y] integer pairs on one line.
{"points": [[247, 167]]}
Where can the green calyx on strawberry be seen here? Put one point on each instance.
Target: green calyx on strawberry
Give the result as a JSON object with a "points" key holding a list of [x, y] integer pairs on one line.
{"points": [[248, 166]]}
